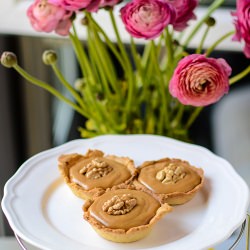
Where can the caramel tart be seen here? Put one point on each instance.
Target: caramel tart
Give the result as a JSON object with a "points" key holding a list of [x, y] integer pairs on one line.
{"points": [[94, 172], [124, 214], [173, 181]]}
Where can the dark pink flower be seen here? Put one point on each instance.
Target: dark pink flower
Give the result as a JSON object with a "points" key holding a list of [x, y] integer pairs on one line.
{"points": [[242, 24], [105, 3], [200, 81], [147, 18], [46, 17], [184, 12], [75, 5]]}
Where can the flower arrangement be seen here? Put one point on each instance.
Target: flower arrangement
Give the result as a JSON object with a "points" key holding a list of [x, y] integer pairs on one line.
{"points": [[121, 89]]}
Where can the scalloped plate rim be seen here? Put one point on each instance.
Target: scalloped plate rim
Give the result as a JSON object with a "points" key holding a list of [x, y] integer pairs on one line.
{"points": [[10, 184]]}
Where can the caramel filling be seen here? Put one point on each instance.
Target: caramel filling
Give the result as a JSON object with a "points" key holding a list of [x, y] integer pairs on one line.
{"points": [[168, 177], [98, 173], [128, 208]]}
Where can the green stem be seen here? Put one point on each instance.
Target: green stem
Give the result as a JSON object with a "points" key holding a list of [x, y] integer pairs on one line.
{"points": [[48, 88], [177, 120], [119, 41], [98, 112], [216, 43], [163, 108], [128, 71], [89, 76], [146, 63], [193, 116], [150, 120], [140, 80], [82, 57], [147, 74], [105, 63], [68, 86], [146, 54], [239, 76], [215, 5], [107, 40], [76, 49], [171, 59], [96, 57], [136, 57], [169, 47], [199, 48]]}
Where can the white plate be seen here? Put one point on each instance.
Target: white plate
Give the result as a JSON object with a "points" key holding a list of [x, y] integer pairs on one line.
{"points": [[42, 210]]}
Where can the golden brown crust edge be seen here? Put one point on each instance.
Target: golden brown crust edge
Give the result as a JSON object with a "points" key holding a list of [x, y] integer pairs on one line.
{"points": [[121, 235], [65, 162], [176, 198]]}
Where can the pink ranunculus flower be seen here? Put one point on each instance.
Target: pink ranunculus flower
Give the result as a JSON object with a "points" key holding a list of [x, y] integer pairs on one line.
{"points": [[200, 81], [147, 18], [46, 17], [75, 5], [184, 12], [242, 24]]}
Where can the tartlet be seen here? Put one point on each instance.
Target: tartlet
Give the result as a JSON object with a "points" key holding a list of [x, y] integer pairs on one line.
{"points": [[124, 214], [94, 172], [173, 181]]}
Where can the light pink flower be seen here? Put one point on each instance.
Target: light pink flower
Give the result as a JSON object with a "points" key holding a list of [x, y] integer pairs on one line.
{"points": [[242, 24], [147, 18], [184, 12], [46, 17], [200, 81], [75, 5]]}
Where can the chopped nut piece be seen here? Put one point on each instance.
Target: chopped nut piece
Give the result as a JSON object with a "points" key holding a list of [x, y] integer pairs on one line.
{"points": [[171, 173], [96, 169], [161, 175], [98, 163], [119, 205], [83, 170]]}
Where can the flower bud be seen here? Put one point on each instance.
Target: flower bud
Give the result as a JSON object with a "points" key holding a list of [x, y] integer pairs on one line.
{"points": [[84, 21], [108, 8], [79, 84], [49, 57], [210, 21], [100, 96], [90, 124], [176, 42], [8, 59]]}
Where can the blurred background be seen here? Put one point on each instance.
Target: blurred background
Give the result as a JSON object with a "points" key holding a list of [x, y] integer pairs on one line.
{"points": [[32, 121]]}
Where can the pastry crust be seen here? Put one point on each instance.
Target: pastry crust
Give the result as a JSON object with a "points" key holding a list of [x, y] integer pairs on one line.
{"points": [[67, 162], [177, 194], [133, 233]]}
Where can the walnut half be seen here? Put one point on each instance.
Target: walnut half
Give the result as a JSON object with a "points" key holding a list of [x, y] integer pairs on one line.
{"points": [[170, 173], [96, 169], [119, 205]]}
